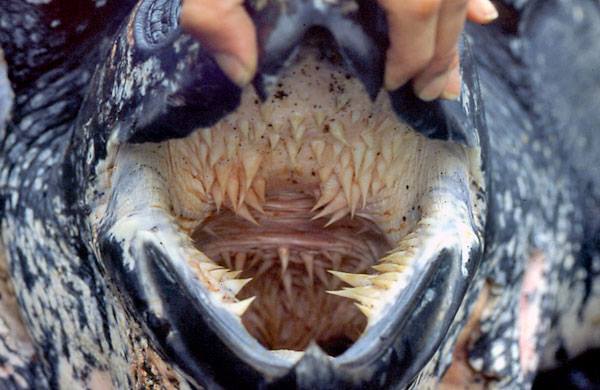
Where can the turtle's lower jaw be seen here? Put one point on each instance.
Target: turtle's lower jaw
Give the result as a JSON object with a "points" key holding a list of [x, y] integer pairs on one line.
{"points": [[311, 240]]}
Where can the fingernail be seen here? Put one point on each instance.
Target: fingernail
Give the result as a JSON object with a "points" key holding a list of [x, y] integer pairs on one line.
{"points": [[449, 95], [433, 89], [234, 68], [489, 10], [392, 83]]}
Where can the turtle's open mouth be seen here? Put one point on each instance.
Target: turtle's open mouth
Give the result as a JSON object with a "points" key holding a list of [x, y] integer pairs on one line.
{"points": [[314, 217]]}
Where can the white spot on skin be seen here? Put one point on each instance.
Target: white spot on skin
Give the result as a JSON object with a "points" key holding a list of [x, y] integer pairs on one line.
{"points": [[530, 310], [497, 349], [578, 14], [569, 262], [100, 380], [477, 364], [500, 364]]}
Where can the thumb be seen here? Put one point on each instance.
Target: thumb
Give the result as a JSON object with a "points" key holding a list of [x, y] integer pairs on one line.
{"points": [[226, 30]]}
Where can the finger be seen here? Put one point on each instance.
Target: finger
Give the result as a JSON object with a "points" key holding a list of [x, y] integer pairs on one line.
{"points": [[224, 28], [412, 29], [452, 90], [481, 11], [432, 81]]}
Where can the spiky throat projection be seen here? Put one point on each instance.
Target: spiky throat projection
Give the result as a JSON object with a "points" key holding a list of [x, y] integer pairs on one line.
{"points": [[307, 216]]}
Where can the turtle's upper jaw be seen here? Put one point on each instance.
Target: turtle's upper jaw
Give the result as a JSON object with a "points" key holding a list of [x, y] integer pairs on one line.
{"points": [[311, 239]]}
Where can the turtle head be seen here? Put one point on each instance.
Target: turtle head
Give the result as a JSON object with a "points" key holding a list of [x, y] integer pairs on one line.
{"points": [[310, 230]]}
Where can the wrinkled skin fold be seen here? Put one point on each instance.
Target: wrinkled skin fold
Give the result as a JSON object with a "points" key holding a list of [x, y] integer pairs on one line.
{"points": [[157, 219]]}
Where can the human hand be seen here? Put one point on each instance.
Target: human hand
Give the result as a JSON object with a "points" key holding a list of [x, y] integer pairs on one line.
{"points": [[225, 28], [423, 40], [423, 43]]}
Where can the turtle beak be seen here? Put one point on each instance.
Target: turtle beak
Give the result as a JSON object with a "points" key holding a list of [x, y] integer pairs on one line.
{"points": [[204, 341]]}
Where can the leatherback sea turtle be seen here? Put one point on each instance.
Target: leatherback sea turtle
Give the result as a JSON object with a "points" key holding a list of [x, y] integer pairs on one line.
{"points": [[163, 228]]}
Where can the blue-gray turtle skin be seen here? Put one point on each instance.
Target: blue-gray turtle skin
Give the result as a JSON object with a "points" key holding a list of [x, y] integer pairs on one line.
{"points": [[76, 78]]}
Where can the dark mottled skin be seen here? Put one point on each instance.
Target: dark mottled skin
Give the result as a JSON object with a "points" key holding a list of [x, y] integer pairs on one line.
{"points": [[555, 100], [540, 85]]}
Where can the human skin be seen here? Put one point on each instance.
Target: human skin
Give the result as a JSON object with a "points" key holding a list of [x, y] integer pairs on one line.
{"points": [[423, 40]]}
